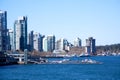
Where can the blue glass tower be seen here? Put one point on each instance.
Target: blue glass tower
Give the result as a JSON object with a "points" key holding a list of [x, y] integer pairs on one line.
{"points": [[31, 41], [3, 30], [51, 43], [90, 46]]}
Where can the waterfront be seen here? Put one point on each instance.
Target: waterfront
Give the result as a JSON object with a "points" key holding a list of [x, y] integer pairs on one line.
{"points": [[109, 70]]}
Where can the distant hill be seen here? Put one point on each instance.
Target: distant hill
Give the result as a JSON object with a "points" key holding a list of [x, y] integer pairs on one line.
{"points": [[114, 48]]}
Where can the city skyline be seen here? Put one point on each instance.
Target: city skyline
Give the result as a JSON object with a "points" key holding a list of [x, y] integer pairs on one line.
{"points": [[69, 19]]}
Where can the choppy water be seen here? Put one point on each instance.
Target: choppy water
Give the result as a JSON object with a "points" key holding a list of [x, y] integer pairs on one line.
{"points": [[109, 70]]}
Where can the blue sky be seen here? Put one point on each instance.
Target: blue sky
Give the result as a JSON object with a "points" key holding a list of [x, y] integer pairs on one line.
{"points": [[69, 18]]}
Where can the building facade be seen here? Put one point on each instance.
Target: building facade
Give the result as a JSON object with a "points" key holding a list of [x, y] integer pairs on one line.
{"points": [[50, 43], [10, 40], [38, 40], [31, 41], [77, 42], [3, 30], [59, 45], [90, 46], [62, 44], [45, 45], [20, 33]]}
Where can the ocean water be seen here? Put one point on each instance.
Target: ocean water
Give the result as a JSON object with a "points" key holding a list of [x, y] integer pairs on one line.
{"points": [[109, 70]]}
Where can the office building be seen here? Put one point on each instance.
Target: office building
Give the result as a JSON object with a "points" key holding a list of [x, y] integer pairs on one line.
{"points": [[45, 45], [50, 43], [38, 42], [90, 46], [62, 44], [20, 33], [59, 45], [66, 45], [10, 40], [31, 41], [3, 30], [77, 42]]}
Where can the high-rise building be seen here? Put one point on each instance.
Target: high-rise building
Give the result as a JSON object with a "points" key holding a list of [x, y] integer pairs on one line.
{"points": [[45, 45], [10, 40], [20, 33], [38, 42], [77, 42], [59, 45], [31, 41], [50, 43], [62, 44], [90, 46], [3, 30], [67, 45]]}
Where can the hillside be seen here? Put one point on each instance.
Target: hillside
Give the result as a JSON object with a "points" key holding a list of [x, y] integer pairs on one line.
{"points": [[114, 48]]}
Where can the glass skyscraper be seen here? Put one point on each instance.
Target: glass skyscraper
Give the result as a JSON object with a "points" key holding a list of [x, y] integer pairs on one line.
{"points": [[51, 43], [62, 44], [31, 41], [38, 42], [20, 33], [77, 42], [3, 30], [90, 46], [10, 40], [45, 44]]}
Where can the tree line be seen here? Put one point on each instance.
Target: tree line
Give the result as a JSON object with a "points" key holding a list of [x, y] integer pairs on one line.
{"points": [[114, 48]]}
